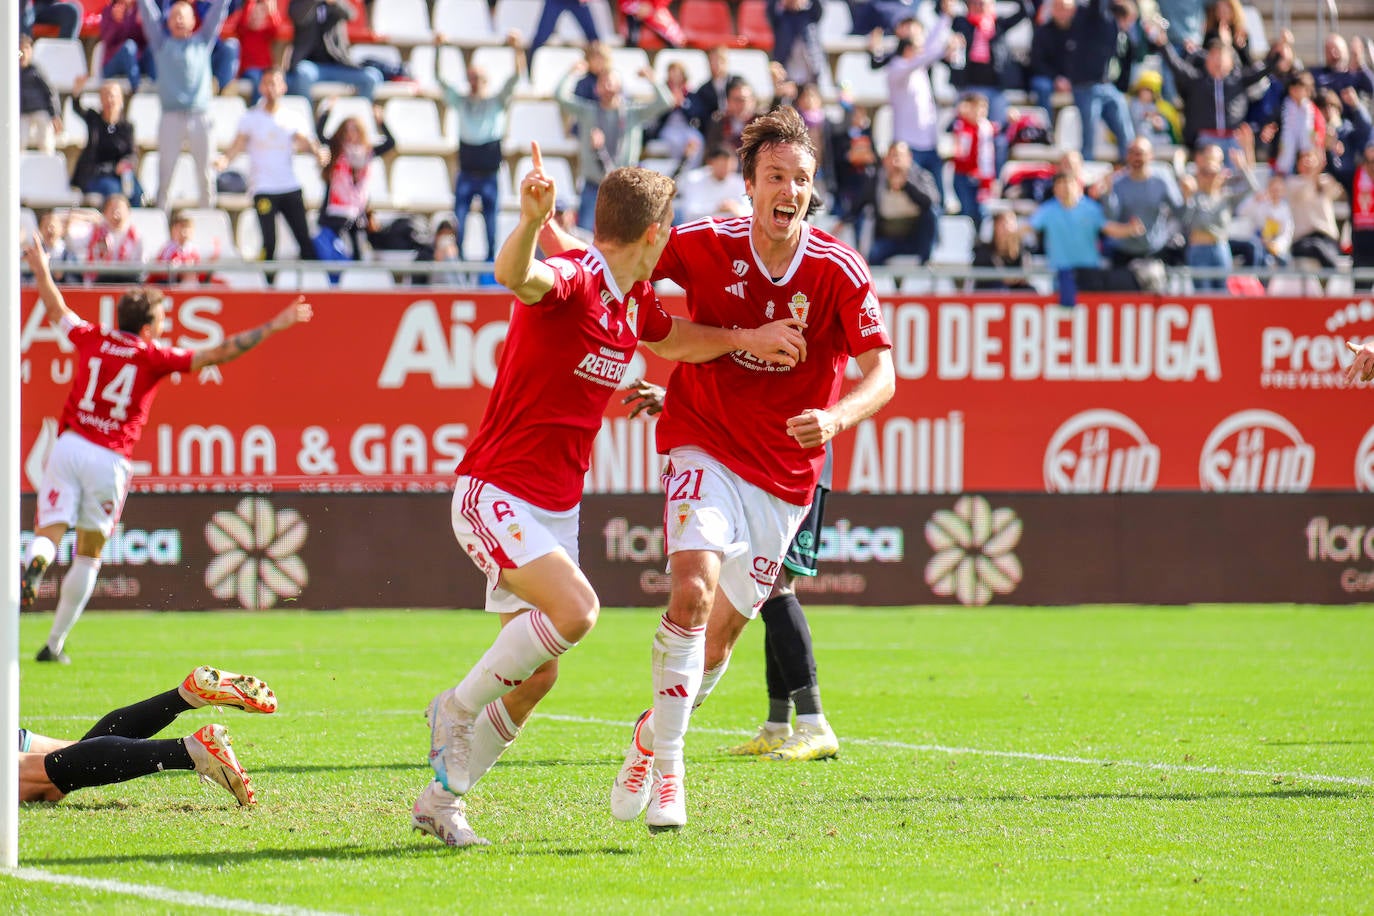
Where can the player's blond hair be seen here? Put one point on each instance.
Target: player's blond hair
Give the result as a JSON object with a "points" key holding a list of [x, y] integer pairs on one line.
{"points": [[629, 201], [780, 126]]}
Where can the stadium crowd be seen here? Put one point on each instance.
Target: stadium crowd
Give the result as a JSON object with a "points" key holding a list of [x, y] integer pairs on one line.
{"points": [[1105, 141]]}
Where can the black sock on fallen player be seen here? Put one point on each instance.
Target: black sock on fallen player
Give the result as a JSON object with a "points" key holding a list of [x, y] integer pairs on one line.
{"points": [[142, 719], [110, 759]]}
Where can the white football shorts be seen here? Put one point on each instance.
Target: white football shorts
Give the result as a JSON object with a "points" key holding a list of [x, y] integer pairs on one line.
{"points": [[708, 507], [500, 531], [84, 485]]}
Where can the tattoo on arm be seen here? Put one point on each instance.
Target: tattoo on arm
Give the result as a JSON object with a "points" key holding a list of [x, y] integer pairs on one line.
{"points": [[234, 347]]}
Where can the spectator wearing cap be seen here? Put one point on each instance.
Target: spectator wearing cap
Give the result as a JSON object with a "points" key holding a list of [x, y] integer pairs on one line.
{"points": [[185, 87]]}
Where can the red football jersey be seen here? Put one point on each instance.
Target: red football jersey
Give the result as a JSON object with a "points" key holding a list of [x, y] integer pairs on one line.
{"points": [[735, 407], [564, 358], [116, 377]]}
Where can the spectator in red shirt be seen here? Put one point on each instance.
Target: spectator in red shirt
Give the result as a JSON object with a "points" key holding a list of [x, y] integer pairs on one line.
{"points": [[975, 155], [256, 24]]}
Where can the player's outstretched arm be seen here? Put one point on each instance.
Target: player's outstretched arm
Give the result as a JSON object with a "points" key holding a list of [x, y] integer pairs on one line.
{"points": [[516, 267], [297, 312], [779, 342], [1362, 366], [815, 427], [48, 293]]}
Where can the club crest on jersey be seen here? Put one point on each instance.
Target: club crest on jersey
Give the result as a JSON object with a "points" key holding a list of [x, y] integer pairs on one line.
{"points": [[800, 307], [682, 511], [741, 267], [632, 313]]}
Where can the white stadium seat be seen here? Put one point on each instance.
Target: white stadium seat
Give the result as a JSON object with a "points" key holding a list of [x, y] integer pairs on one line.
{"points": [[151, 225], [465, 22], [835, 25], [402, 22], [414, 123], [556, 167], [499, 63], [44, 181], [308, 172], [537, 120], [551, 63], [214, 235], [352, 106], [520, 15], [61, 61], [184, 191], [421, 183], [225, 113], [955, 241], [144, 111], [867, 86], [752, 64], [693, 61]]}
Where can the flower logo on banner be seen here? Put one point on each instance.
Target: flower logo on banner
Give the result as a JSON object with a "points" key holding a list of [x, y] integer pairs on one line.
{"points": [[255, 554], [973, 551]]}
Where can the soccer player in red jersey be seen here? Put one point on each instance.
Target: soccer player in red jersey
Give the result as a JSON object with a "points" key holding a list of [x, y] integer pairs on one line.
{"points": [[735, 498], [87, 475], [573, 332]]}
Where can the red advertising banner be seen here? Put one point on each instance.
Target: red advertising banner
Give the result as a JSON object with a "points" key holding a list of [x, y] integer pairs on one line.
{"points": [[1121, 394]]}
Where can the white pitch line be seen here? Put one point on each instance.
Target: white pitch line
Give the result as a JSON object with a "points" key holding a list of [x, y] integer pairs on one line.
{"points": [[922, 748], [160, 894], [1029, 755]]}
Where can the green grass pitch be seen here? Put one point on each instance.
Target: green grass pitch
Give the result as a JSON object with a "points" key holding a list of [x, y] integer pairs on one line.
{"points": [[1085, 760]]}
